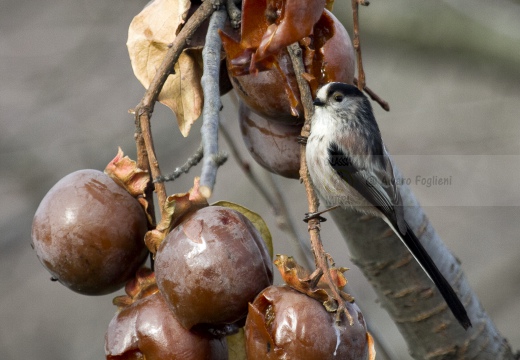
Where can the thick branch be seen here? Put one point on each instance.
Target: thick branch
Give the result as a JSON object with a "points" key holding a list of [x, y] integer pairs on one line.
{"points": [[212, 104], [409, 296]]}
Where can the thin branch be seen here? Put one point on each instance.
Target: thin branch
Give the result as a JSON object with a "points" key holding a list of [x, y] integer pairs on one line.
{"points": [[184, 169], [212, 104], [374, 96], [320, 256], [356, 42], [235, 15], [146, 157]]}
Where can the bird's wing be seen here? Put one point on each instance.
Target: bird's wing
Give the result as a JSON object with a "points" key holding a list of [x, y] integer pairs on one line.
{"points": [[375, 181]]}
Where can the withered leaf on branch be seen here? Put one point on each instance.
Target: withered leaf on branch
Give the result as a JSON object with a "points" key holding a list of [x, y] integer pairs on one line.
{"points": [[299, 278], [149, 36], [176, 206]]}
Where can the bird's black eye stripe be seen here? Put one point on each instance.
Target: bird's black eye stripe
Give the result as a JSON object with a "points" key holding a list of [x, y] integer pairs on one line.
{"points": [[338, 97], [344, 89]]}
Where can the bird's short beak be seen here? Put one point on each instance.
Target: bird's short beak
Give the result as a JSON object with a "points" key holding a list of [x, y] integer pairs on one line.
{"points": [[318, 102]]}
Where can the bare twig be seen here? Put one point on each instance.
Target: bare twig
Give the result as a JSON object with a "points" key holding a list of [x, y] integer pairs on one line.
{"points": [[320, 256], [374, 96], [184, 169], [145, 150], [212, 104], [356, 42]]}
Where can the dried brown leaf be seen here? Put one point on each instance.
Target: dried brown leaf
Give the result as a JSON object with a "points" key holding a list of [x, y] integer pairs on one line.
{"points": [[125, 172], [182, 91], [294, 22], [298, 278], [149, 36], [175, 208]]}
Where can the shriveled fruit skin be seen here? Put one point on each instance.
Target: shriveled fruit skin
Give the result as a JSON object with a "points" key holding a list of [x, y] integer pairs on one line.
{"points": [[88, 233], [148, 330], [271, 92], [285, 324], [210, 266], [273, 145]]}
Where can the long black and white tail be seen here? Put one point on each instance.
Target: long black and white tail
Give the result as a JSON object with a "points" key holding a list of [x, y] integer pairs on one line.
{"points": [[426, 262]]}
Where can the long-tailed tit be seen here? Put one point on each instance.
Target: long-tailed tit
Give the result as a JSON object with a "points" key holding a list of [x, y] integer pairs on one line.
{"points": [[350, 167]]}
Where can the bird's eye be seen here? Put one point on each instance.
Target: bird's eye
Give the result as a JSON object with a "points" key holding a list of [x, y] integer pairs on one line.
{"points": [[338, 97]]}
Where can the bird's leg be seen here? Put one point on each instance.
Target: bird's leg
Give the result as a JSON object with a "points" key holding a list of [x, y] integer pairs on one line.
{"points": [[316, 215]]}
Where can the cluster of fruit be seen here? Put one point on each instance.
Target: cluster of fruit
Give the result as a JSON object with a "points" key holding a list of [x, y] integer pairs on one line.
{"points": [[212, 263], [261, 72], [212, 271]]}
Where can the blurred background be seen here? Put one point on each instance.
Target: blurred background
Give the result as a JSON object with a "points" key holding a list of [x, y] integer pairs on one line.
{"points": [[450, 71]]}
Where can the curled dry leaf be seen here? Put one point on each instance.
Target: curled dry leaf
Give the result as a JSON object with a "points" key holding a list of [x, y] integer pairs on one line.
{"points": [[176, 207], [142, 285], [268, 85], [299, 278], [124, 171], [149, 36], [290, 22]]}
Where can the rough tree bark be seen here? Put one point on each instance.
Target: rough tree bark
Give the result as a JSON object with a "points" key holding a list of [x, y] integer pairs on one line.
{"points": [[409, 296]]}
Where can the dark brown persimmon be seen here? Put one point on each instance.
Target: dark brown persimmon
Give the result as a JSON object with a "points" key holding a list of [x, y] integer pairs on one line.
{"points": [[285, 324], [148, 330], [88, 233], [273, 145], [210, 266]]}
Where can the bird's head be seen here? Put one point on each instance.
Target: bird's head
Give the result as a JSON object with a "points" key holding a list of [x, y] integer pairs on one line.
{"points": [[338, 96]]}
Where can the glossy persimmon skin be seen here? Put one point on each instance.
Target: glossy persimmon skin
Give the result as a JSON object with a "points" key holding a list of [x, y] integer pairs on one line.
{"points": [[285, 324], [273, 145], [148, 329], [88, 232], [210, 266]]}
